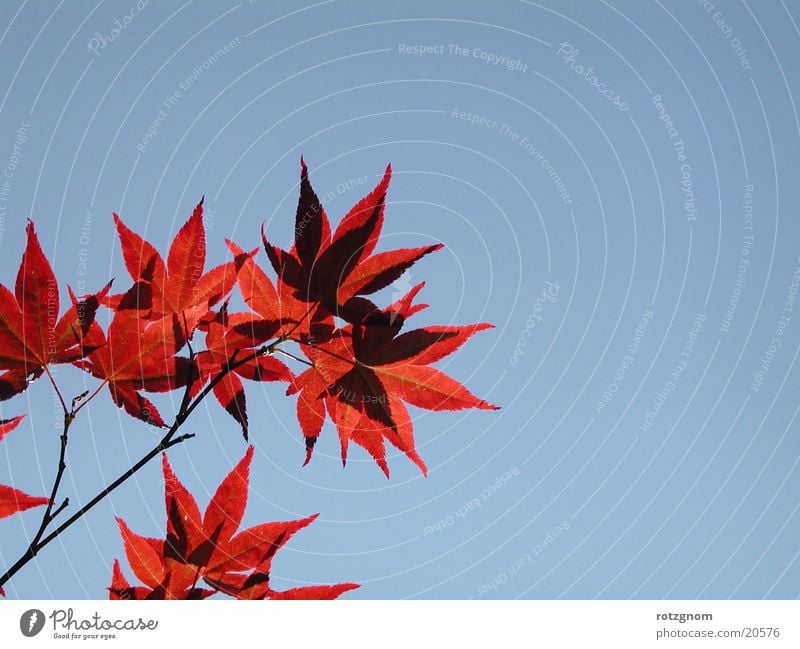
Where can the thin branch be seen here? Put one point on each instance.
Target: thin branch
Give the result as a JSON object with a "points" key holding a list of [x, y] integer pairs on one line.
{"points": [[49, 514], [289, 333], [328, 352], [187, 393], [77, 400], [168, 441], [89, 398], [231, 365], [160, 448], [34, 548], [60, 508], [55, 387], [62, 465]]}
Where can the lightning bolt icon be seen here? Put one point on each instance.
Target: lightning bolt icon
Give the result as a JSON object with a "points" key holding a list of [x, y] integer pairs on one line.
{"points": [[32, 621]]}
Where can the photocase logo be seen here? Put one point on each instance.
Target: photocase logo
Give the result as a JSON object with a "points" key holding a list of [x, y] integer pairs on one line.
{"points": [[31, 622]]}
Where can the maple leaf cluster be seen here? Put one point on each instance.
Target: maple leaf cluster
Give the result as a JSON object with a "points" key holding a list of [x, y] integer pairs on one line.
{"points": [[210, 548], [363, 368], [173, 328]]}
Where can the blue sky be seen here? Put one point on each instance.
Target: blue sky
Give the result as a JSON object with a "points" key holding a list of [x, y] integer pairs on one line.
{"points": [[613, 182]]}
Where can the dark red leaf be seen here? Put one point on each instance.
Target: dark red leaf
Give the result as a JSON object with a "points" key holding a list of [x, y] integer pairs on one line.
{"points": [[312, 231], [230, 393], [380, 270], [324, 272], [365, 372]]}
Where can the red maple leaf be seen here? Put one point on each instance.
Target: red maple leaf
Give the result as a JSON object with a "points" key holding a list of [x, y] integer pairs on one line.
{"points": [[140, 356], [363, 374], [32, 335], [12, 500], [179, 286], [210, 548], [232, 337], [329, 270], [276, 309], [361, 377]]}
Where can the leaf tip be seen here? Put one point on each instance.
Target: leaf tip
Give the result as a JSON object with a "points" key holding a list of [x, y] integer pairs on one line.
{"points": [[166, 468], [310, 442], [248, 456], [7, 425]]}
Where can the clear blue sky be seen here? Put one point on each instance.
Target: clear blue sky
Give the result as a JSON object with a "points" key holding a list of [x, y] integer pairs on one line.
{"points": [[615, 185]]}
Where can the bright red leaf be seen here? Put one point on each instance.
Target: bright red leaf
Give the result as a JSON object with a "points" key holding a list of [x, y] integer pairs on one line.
{"points": [[140, 356], [232, 338], [13, 501], [7, 425], [210, 548], [363, 373], [312, 592], [32, 335], [330, 270], [179, 286], [144, 555]]}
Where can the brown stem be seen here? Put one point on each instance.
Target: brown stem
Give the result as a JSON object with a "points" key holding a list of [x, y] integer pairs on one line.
{"points": [[62, 466], [55, 387], [49, 514], [328, 352], [231, 365], [90, 397], [168, 441], [35, 547], [297, 358]]}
